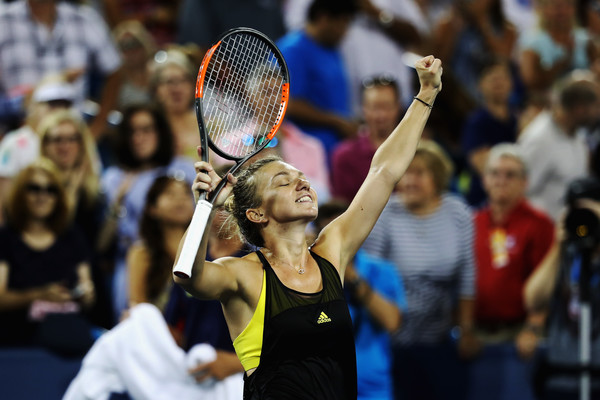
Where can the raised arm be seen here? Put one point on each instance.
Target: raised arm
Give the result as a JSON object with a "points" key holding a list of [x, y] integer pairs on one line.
{"points": [[346, 234], [209, 280]]}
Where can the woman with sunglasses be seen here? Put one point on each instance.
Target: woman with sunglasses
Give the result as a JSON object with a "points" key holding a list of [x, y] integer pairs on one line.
{"points": [[44, 263]]}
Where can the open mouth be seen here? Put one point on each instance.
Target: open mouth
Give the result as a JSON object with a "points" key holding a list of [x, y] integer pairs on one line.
{"points": [[304, 199]]}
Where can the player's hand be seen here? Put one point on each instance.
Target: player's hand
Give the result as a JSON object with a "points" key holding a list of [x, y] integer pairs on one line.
{"points": [[225, 365], [207, 180], [430, 70]]}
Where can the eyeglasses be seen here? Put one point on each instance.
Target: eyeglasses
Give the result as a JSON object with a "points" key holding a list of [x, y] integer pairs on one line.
{"points": [[63, 139], [380, 80], [37, 189], [61, 103]]}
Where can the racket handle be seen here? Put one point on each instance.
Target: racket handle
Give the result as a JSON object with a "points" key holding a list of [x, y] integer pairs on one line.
{"points": [[183, 268]]}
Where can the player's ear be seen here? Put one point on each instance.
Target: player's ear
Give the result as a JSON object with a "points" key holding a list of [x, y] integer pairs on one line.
{"points": [[256, 215]]}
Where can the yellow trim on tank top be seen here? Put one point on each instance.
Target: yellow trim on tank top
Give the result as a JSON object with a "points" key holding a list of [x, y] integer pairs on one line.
{"points": [[248, 344]]}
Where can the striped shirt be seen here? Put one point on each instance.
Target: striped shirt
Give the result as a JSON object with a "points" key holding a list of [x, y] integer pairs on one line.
{"points": [[434, 256]]}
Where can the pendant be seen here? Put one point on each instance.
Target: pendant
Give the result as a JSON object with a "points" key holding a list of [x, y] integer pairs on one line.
{"points": [[301, 270]]}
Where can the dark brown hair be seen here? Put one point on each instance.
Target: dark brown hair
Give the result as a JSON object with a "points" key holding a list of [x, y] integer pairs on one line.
{"points": [[151, 233], [165, 150]]}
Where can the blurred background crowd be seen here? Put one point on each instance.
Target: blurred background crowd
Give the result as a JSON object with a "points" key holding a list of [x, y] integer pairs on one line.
{"points": [[98, 136]]}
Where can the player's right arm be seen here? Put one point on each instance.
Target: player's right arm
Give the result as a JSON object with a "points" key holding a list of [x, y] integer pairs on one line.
{"points": [[209, 280]]}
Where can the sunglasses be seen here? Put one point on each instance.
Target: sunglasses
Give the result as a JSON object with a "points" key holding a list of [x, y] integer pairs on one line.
{"points": [[36, 189]]}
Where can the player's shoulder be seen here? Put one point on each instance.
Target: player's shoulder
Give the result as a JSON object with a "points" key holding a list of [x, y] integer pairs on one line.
{"points": [[240, 265]]}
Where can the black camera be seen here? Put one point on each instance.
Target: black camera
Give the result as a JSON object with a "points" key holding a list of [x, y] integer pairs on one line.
{"points": [[582, 225]]}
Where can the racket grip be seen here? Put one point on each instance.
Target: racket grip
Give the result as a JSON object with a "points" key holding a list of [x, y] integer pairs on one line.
{"points": [[183, 268]]}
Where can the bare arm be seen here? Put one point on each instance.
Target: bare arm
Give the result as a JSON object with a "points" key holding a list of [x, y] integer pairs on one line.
{"points": [[444, 36], [108, 100], [5, 183], [502, 44], [345, 235], [403, 32], [468, 344], [478, 159], [540, 285], [138, 264], [85, 286], [534, 75], [383, 311], [209, 280]]}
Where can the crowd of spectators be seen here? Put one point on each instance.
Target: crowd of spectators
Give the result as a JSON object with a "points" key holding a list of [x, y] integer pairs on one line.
{"points": [[98, 137]]}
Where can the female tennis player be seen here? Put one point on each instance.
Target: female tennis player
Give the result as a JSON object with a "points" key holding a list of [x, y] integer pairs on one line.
{"points": [[284, 303]]}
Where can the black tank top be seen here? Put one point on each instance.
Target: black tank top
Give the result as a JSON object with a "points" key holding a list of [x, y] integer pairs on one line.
{"points": [[308, 346]]}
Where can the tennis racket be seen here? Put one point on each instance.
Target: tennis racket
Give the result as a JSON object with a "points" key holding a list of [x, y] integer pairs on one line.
{"points": [[242, 94]]}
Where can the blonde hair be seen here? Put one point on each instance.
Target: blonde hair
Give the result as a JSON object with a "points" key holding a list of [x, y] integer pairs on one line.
{"points": [[89, 152], [438, 162], [138, 31]]}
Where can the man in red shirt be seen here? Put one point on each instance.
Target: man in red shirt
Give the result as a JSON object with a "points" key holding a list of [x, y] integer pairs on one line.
{"points": [[511, 238]]}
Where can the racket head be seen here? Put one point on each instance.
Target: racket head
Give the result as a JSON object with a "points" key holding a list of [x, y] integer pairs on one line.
{"points": [[242, 92]]}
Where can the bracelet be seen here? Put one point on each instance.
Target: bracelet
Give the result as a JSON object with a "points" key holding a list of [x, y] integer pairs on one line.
{"points": [[424, 102]]}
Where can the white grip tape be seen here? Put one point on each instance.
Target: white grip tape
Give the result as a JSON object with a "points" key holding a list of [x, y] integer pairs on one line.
{"points": [[195, 231]]}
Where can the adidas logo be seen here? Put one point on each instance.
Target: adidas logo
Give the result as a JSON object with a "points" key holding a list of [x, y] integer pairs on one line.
{"points": [[323, 318]]}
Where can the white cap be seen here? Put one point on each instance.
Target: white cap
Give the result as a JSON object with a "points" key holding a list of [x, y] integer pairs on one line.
{"points": [[54, 91]]}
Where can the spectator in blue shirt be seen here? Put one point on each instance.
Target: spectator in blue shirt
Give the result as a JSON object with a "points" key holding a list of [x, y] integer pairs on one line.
{"points": [[319, 95], [375, 295]]}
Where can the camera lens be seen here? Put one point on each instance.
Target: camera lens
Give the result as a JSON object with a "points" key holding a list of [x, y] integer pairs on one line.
{"points": [[582, 227]]}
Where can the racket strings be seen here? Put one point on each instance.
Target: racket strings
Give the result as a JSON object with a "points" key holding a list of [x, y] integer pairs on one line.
{"points": [[243, 92]]}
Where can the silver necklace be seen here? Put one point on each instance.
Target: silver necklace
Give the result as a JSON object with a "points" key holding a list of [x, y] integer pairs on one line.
{"points": [[300, 269]]}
